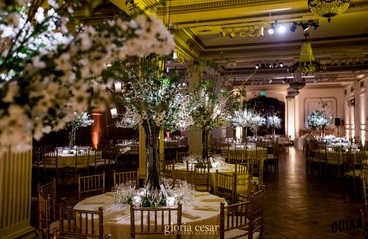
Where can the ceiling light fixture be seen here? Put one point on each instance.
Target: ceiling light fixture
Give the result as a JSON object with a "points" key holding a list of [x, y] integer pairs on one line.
{"points": [[293, 27], [281, 29], [270, 30], [328, 8], [305, 26], [306, 63]]}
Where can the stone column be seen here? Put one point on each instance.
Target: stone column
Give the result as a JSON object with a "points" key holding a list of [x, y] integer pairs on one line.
{"points": [[15, 195]]}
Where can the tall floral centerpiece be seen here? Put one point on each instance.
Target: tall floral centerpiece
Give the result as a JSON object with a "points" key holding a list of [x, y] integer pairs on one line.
{"points": [[82, 119], [152, 97], [274, 122], [50, 63], [256, 122], [318, 119], [243, 118], [211, 108], [48, 72]]}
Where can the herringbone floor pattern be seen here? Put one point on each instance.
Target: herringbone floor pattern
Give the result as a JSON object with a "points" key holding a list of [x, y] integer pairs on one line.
{"points": [[309, 207]]}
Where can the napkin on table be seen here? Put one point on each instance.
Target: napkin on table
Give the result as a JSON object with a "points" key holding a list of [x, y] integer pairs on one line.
{"points": [[93, 202], [213, 200], [189, 215], [199, 194], [205, 208]]}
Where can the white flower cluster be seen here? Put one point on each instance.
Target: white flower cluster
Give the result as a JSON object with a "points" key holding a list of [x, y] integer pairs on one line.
{"points": [[247, 118], [242, 118], [47, 73], [318, 119], [273, 121]]}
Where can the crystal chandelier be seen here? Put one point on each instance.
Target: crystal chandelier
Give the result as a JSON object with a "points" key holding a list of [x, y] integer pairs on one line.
{"points": [[328, 8], [305, 65]]}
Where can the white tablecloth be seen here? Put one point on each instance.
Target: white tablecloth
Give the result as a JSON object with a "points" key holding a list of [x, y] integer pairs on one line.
{"points": [[206, 209], [226, 168]]}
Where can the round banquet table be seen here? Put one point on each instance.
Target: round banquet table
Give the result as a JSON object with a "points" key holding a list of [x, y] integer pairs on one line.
{"points": [[225, 168], [200, 221]]}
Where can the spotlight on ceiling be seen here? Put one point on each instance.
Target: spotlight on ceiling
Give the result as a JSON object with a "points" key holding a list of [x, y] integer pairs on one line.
{"points": [[271, 30], [281, 64], [305, 26], [281, 29], [293, 27], [314, 25], [257, 66]]}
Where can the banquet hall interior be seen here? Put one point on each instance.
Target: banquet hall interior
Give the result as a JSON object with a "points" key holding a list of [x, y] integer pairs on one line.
{"points": [[304, 71]]}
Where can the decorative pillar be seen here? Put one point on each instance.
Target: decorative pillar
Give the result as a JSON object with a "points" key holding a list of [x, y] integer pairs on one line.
{"points": [[96, 129], [15, 195], [291, 118], [195, 136]]}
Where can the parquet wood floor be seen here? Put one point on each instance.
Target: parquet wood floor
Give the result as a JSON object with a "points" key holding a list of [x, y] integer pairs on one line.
{"points": [[309, 207], [298, 206]]}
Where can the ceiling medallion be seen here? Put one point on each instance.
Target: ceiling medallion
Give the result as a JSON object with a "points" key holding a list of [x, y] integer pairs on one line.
{"points": [[328, 8]]}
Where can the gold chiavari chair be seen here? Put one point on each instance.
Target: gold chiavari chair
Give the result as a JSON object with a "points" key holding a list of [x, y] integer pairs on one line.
{"points": [[179, 175], [123, 177], [234, 222], [80, 224], [255, 165], [82, 159], [91, 184], [243, 219], [50, 163], [154, 220], [97, 161], [273, 157], [334, 162], [225, 186], [168, 166], [180, 155], [201, 177], [353, 166], [47, 211]]}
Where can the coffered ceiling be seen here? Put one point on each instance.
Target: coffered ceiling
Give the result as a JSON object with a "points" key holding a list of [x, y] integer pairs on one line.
{"points": [[234, 32]]}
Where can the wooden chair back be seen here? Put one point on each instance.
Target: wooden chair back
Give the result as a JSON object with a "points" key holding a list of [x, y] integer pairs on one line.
{"points": [[180, 155], [256, 215], [154, 220], [50, 162], [91, 184], [225, 186], [124, 177], [201, 178], [47, 209], [74, 223], [234, 220], [243, 219]]}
